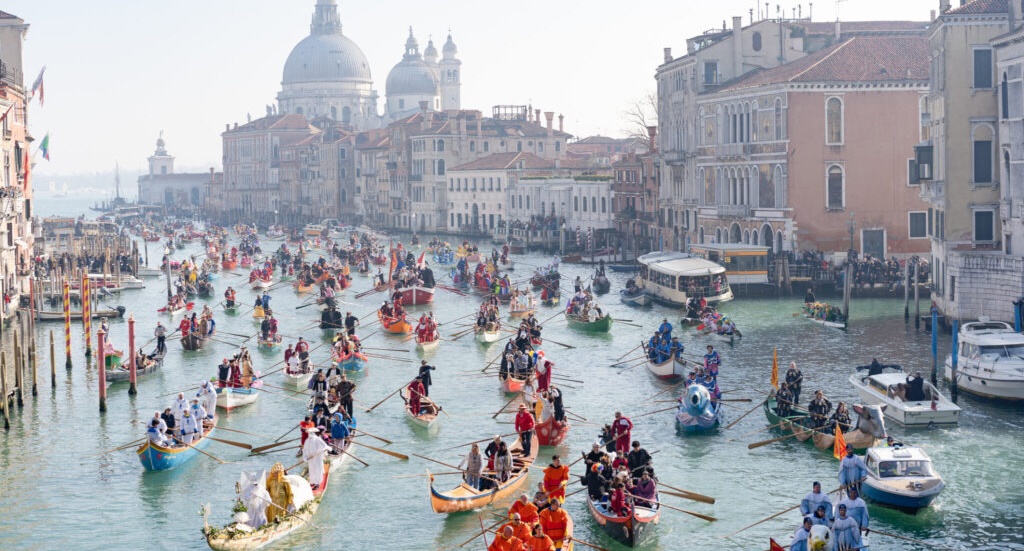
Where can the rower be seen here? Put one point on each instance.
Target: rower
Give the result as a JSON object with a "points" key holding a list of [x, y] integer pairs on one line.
{"points": [[520, 529], [809, 504], [799, 542], [424, 374], [555, 521], [524, 509], [556, 478], [794, 379], [852, 470], [846, 530], [638, 459], [156, 436], [819, 409], [524, 424], [506, 541]]}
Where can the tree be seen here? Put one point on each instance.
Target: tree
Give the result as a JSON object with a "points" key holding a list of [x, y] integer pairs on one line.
{"points": [[641, 114]]}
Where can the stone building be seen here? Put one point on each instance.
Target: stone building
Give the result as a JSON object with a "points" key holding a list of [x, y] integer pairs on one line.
{"points": [[967, 162], [16, 208], [163, 186]]}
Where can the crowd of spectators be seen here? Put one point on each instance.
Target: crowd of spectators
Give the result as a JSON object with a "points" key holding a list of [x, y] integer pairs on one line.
{"points": [[868, 271]]}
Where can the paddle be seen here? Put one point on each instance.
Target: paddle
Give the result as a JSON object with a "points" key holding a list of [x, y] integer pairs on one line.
{"points": [[261, 449], [119, 448], [346, 452], [496, 481], [626, 322], [663, 504], [689, 495], [397, 390], [502, 410], [478, 441], [560, 312], [630, 352], [558, 343], [232, 443], [178, 391], [401, 456], [772, 441], [751, 410], [653, 412], [278, 439], [784, 511], [762, 429], [221, 461], [385, 440], [485, 530]]}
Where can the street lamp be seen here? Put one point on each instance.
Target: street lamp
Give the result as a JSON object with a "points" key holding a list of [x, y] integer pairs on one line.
{"points": [[852, 226]]}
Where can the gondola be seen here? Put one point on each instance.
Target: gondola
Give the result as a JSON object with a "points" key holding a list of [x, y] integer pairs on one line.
{"points": [[417, 294], [428, 410], [161, 458], [466, 498], [794, 424], [511, 385]]}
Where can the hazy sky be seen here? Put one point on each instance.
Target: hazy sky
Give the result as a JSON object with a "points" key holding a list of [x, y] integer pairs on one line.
{"points": [[119, 71]]}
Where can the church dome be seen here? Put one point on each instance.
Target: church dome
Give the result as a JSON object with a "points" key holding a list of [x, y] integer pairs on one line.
{"points": [[412, 75], [326, 57]]}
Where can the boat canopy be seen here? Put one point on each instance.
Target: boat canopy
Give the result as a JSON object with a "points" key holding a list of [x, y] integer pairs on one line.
{"points": [[680, 264]]}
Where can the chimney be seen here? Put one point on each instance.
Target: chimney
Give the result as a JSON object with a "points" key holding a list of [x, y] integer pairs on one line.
{"points": [[423, 106], [932, 15], [1014, 14], [550, 116], [236, 126], [561, 123], [839, 32], [652, 134], [227, 127], [462, 125], [536, 119], [668, 55], [480, 126], [943, 6], [737, 46]]}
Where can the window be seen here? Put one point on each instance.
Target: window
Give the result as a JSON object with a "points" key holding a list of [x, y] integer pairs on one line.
{"points": [[834, 121], [778, 119], [593, 204], [982, 68], [440, 167], [472, 146], [834, 188], [1004, 98], [451, 184], [604, 205], [757, 41], [576, 204], [984, 226], [710, 72], [401, 104], [499, 184], [918, 225], [519, 146], [584, 204], [440, 145], [558, 146], [982, 161], [487, 147]]}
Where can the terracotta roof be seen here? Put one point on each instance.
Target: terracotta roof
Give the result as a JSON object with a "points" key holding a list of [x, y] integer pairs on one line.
{"points": [[5, 15], [505, 161], [290, 121], [978, 7], [860, 59]]}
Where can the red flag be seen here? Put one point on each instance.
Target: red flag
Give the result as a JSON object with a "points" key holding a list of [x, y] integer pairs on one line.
{"points": [[4, 116], [28, 168], [419, 263], [394, 264], [775, 546], [839, 445], [775, 368]]}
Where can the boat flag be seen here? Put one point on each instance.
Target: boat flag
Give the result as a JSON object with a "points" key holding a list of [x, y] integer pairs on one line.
{"points": [[775, 368], [839, 445], [419, 263], [37, 86], [774, 546], [44, 146]]}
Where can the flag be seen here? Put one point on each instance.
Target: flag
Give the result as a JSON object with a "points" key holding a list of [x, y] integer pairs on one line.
{"points": [[419, 263], [775, 368], [44, 146], [37, 86], [839, 445], [775, 546], [4, 116], [28, 168], [394, 264]]}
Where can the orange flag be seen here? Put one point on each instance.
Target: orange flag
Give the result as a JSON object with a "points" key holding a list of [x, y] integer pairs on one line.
{"points": [[775, 546], [775, 368], [839, 446]]}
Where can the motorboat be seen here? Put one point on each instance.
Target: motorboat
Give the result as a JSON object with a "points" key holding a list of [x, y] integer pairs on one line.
{"points": [[989, 360], [931, 408], [901, 477]]}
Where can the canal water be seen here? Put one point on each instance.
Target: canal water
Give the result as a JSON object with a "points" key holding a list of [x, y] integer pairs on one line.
{"points": [[57, 493]]}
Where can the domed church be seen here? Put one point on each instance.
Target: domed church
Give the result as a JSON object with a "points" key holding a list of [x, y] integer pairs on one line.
{"points": [[328, 75]]}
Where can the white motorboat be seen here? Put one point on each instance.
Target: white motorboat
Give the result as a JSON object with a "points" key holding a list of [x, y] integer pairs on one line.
{"points": [[883, 389], [990, 360], [902, 477]]}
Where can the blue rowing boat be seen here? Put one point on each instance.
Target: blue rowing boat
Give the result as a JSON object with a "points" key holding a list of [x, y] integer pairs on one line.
{"points": [[160, 458], [354, 362]]}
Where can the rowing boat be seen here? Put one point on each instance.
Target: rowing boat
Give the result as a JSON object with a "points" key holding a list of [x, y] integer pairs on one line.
{"points": [[260, 284], [43, 315], [600, 325], [428, 345], [298, 380], [670, 370], [511, 384], [193, 342], [417, 294], [466, 498], [121, 373], [794, 424], [697, 411], [352, 362], [161, 458], [551, 432], [428, 410], [394, 325], [487, 337], [632, 530], [229, 398]]}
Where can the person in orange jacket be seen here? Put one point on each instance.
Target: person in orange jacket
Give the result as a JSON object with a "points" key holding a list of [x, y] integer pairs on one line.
{"points": [[556, 478], [539, 541], [555, 521], [526, 510], [520, 529], [505, 541]]}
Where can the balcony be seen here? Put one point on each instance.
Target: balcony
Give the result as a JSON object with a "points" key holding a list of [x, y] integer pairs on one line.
{"points": [[734, 211], [933, 191]]}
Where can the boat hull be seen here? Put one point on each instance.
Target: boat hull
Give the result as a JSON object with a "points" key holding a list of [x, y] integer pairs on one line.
{"points": [[488, 337], [417, 295], [231, 398], [427, 346], [669, 371], [298, 381], [465, 498], [512, 385], [908, 413], [982, 383], [855, 438], [355, 362], [635, 299], [551, 432], [158, 458], [602, 325], [898, 494], [631, 531], [396, 326], [122, 374]]}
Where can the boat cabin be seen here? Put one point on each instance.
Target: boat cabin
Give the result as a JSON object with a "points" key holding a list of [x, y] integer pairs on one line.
{"points": [[743, 263], [672, 278], [899, 462]]}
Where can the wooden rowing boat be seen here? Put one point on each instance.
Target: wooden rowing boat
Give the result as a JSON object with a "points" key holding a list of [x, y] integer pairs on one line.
{"points": [[551, 432], [487, 337], [270, 343], [794, 424], [512, 385], [355, 361], [229, 398], [632, 530], [466, 498], [417, 295], [193, 342], [121, 373], [670, 371], [394, 325], [298, 381], [428, 410], [600, 325], [161, 458], [428, 346], [238, 537]]}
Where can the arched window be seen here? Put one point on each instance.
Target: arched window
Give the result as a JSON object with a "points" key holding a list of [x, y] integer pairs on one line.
{"points": [[593, 204], [440, 167], [604, 205], [527, 202], [472, 146], [834, 121], [584, 204], [757, 41], [834, 188], [346, 114], [334, 112], [700, 235], [1004, 99], [440, 145], [487, 147], [576, 204]]}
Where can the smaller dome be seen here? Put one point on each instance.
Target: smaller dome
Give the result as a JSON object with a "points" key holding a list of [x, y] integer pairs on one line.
{"points": [[412, 77], [430, 54], [449, 49]]}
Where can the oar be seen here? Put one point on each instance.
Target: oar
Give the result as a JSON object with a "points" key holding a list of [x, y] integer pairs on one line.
{"points": [[478, 441], [653, 412], [502, 410], [346, 452], [236, 334], [221, 461], [427, 474], [751, 410], [232, 443], [630, 352], [177, 391], [762, 429], [766, 519], [397, 390], [772, 441], [401, 456], [560, 312], [385, 440], [278, 439], [558, 343], [688, 494], [663, 504], [119, 448], [927, 544], [261, 449], [626, 322], [482, 533]]}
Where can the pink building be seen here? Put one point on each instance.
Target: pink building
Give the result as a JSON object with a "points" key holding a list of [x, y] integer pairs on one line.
{"points": [[813, 154]]}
